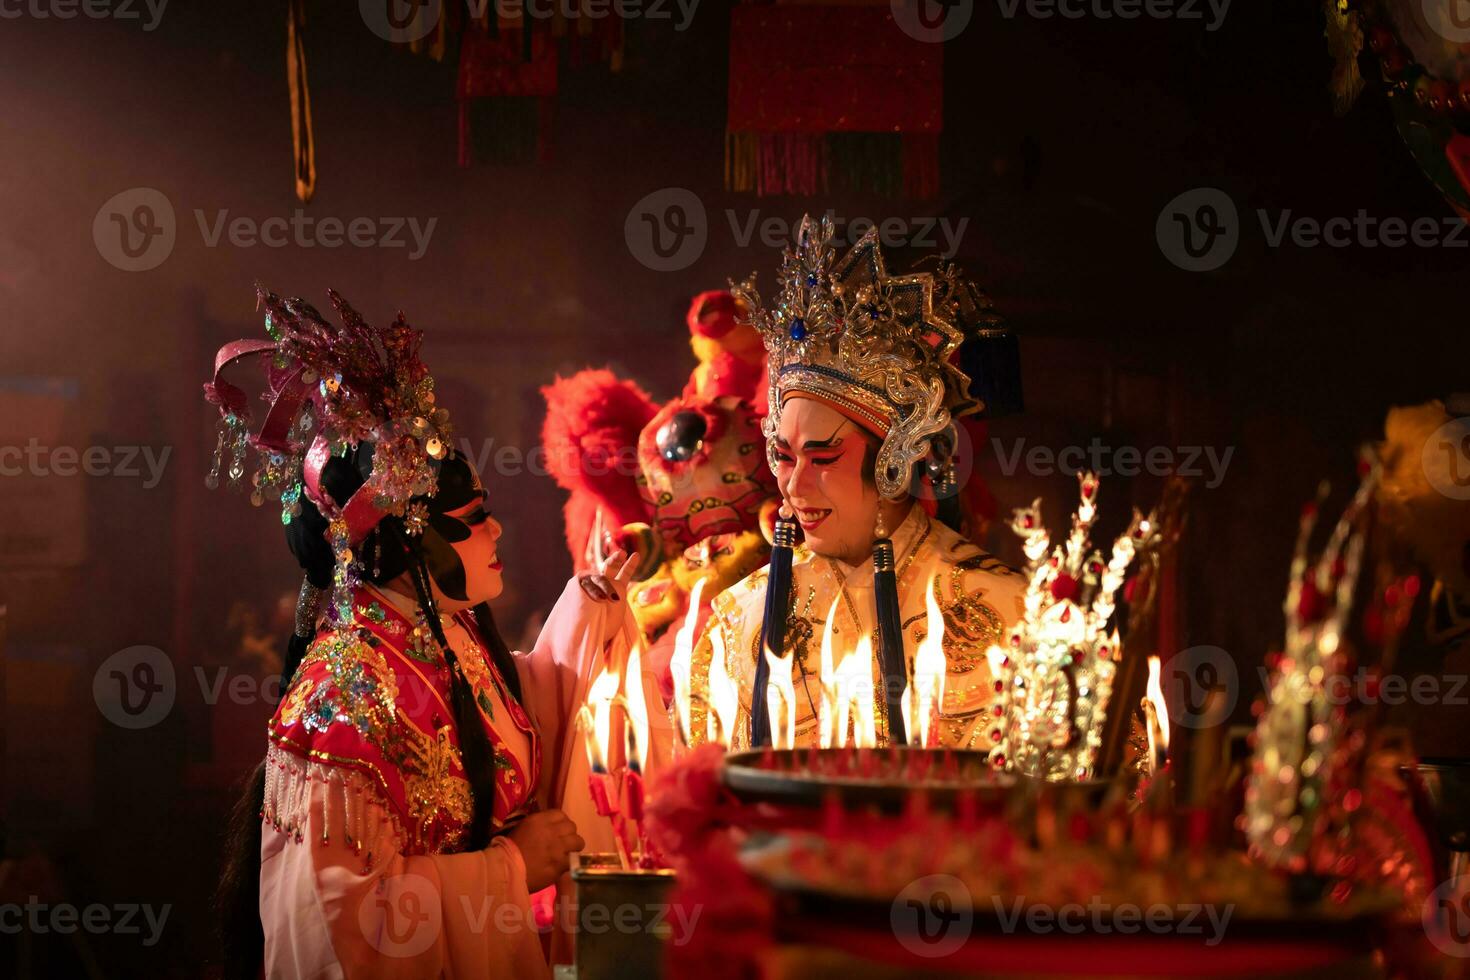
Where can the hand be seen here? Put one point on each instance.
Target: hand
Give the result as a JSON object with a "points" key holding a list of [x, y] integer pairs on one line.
{"points": [[545, 838], [603, 588]]}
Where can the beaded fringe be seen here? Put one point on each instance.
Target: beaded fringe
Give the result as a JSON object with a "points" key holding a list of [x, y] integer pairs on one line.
{"points": [[352, 807]]}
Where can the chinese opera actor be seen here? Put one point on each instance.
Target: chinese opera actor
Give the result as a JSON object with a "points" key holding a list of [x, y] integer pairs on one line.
{"points": [[864, 394], [415, 766]]}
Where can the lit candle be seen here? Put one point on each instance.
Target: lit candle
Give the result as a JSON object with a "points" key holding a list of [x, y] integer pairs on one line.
{"points": [[681, 665], [724, 699], [925, 695], [1156, 719], [828, 735], [781, 700]]}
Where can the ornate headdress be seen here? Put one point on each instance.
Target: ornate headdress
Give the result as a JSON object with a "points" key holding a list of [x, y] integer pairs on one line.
{"points": [[876, 347], [351, 384]]}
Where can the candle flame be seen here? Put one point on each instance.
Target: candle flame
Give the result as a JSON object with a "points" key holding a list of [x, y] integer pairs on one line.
{"points": [[681, 664], [724, 699], [1155, 694], [599, 718], [828, 735], [855, 677], [781, 699], [925, 695], [634, 702]]}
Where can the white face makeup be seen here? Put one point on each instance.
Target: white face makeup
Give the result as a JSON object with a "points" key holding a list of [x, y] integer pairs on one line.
{"points": [[820, 456], [482, 568]]}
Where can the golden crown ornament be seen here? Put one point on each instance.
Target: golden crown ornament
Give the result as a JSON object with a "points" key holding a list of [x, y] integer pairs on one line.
{"points": [[878, 348]]}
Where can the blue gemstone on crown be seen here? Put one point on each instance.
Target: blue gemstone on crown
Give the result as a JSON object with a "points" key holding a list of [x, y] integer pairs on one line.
{"points": [[798, 329], [811, 280]]}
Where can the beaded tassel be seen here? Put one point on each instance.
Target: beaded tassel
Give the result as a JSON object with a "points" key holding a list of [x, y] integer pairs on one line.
{"points": [[778, 587]]}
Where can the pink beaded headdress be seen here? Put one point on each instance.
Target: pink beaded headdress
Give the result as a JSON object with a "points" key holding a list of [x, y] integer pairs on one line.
{"points": [[350, 384]]}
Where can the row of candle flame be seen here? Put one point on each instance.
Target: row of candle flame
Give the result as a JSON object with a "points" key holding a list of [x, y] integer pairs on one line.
{"points": [[846, 709]]}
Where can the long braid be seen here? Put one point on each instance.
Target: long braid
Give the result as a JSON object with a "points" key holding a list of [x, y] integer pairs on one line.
{"points": [[500, 654], [476, 752]]}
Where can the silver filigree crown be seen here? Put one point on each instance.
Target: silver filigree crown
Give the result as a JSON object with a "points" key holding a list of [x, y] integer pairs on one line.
{"points": [[878, 348]]}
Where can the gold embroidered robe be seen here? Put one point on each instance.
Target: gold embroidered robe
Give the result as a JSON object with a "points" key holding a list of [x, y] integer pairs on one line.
{"points": [[980, 596]]}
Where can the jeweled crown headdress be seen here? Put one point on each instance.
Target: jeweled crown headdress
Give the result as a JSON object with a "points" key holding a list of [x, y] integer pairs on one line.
{"points": [[877, 347], [351, 383]]}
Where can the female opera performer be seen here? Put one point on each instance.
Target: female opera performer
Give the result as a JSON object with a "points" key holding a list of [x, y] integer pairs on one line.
{"points": [[421, 781]]}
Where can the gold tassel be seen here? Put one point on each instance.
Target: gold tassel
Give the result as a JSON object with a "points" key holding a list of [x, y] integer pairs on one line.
{"points": [[742, 151], [302, 142]]}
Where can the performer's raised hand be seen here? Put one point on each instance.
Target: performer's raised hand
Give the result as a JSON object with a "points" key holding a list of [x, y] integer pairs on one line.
{"points": [[545, 838], [610, 582]]}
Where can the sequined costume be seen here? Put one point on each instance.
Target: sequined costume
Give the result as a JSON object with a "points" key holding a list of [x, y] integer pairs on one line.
{"points": [[379, 853], [979, 596], [366, 798], [888, 352]]}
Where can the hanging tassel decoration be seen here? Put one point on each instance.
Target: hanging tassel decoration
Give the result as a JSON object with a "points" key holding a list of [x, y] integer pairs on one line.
{"points": [[302, 140], [773, 630], [890, 639]]}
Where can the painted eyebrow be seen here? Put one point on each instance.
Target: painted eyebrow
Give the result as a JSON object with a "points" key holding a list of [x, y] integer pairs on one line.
{"points": [[831, 442]]}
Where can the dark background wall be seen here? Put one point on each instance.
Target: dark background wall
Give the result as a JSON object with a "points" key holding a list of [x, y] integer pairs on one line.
{"points": [[1063, 141]]}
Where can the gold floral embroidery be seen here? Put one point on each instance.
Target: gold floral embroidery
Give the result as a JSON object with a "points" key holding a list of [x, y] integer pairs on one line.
{"points": [[295, 702], [434, 787]]}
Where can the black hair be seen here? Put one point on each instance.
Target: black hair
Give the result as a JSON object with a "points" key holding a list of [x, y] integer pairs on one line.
{"points": [[389, 552]]}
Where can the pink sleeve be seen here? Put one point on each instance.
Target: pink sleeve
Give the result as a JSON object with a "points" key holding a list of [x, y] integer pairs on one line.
{"points": [[334, 910], [580, 636]]}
